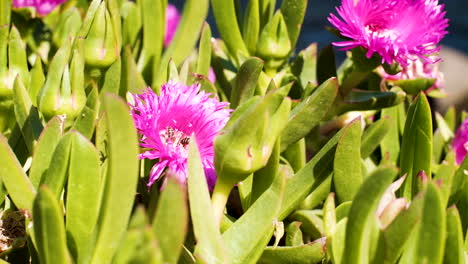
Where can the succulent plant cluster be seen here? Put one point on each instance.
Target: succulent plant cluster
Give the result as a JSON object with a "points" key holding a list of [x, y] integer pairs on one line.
{"points": [[129, 134]]}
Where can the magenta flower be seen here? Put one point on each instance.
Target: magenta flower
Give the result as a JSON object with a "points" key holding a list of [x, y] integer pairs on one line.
{"points": [[460, 142], [43, 7], [397, 30], [167, 121], [172, 21]]}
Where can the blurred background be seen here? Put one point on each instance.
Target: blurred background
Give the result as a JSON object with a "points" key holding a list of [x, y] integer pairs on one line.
{"points": [[454, 46]]}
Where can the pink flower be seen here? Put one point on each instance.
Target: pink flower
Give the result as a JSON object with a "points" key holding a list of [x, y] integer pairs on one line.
{"points": [[43, 7], [415, 70], [397, 30], [172, 21], [167, 121], [460, 142]]}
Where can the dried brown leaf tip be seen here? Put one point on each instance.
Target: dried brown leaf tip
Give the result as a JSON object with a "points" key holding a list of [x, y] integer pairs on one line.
{"points": [[12, 230]]}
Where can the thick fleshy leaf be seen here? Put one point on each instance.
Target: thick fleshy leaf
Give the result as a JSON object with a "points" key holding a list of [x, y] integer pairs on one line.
{"points": [[319, 193], [396, 235], [210, 247], [305, 66], [445, 177], [49, 229], [131, 22], [428, 241], [17, 62], [131, 80], [139, 244], [26, 115], [293, 13], [312, 222], [454, 247], [83, 195], [226, 22], [362, 213], [14, 179], [244, 83], [171, 221], [249, 235], [120, 181], [373, 135], [263, 178], [204, 53], [251, 27], [347, 174], [57, 173], [305, 254], [111, 80], [85, 123], [153, 22], [358, 100], [338, 242], [390, 145], [303, 183], [186, 37], [45, 148], [416, 147], [296, 154], [36, 81], [294, 235], [307, 115]]}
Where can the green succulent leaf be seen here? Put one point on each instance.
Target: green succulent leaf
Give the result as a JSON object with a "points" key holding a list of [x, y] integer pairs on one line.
{"points": [[251, 26], [362, 213], [312, 252], [83, 195], [120, 181], [26, 115], [248, 236], [210, 247], [390, 144], [428, 240], [416, 146], [294, 234], [454, 247], [244, 83], [14, 179], [347, 174], [204, 53], [170, 224], [226, 21], [307, 115], [294, 12], [185, 38], [49, 229]]}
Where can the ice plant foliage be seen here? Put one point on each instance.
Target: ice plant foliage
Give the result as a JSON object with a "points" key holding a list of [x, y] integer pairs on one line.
{"points": [[414, 70], [43, 7], [397, 30], [166, 123], [460, 142], [172, 21]]}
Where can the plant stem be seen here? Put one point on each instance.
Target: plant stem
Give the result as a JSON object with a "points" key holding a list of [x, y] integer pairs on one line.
{"points": [[219, 199]]}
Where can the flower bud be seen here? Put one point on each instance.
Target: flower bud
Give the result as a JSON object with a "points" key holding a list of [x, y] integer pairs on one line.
{"points": [[245, 144], [17, 64], [68, 25], [63, 91], [102, 43], [274, 45]]}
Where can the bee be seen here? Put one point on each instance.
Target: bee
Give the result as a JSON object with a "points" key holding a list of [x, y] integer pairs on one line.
{"points": [[170, 132], [184, 141]]}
